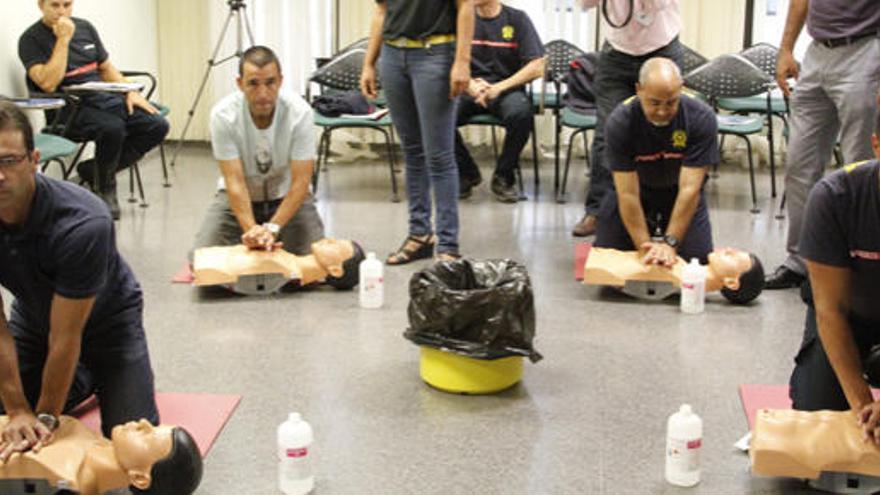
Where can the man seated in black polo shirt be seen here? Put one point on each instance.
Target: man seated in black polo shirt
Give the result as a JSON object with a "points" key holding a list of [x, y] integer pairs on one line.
{"points": [[506, 54], [76, 324], [58, 51], [658, 146], [840, 242]]}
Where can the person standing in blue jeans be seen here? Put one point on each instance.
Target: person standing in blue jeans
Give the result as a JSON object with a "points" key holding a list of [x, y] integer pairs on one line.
{"points": [[425, 48]]}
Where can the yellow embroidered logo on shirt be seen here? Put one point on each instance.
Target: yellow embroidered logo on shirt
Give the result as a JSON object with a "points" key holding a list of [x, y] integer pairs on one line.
{"points": [[679, 139], [852, 166], [507, 32]]}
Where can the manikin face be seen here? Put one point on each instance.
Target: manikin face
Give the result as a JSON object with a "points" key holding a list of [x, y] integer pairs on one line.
{"points": [[17, 170], [332, 253], [138, 445], [260, 86], [729, 264], [659, 101], [54, 10]]}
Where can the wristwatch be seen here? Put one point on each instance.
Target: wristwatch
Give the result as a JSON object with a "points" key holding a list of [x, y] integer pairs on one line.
{"points": [[274, 228], [49, 421], [671, 240]]}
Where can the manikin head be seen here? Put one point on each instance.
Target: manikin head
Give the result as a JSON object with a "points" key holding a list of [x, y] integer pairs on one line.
{"points": [[157, 459], [341, 259], [741, 273], [659, 90], [54, 10], [259, 78], [18, 162]]}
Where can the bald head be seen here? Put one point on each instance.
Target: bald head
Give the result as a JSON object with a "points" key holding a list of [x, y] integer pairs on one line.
{"points": [[659, 90]]}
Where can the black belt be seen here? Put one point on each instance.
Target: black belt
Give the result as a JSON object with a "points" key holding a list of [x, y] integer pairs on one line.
{"points": [[847, 40]]}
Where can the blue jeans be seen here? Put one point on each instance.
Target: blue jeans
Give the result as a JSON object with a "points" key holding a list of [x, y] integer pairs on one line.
{"points": [[416, 83]]}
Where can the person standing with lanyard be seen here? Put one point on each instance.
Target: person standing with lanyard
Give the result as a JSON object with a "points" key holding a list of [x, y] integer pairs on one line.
{"points": [[639, 30], [425, 48]]}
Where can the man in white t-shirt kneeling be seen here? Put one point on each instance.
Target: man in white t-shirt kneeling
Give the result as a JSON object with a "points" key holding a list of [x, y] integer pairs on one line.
{"points": [[264, 142]]}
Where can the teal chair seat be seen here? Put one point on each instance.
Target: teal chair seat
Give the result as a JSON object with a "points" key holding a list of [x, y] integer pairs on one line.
{"points": [[756, 103], [52, 147], [551, 100], [740, 124], [163, 110], [578, 120], [484, 119], [324, 121]]}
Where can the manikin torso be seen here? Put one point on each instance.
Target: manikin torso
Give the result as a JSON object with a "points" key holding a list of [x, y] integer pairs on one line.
{"points": [[614, 267]]}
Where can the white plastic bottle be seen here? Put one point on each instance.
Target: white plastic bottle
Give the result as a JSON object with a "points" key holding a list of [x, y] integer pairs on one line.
{"points": [[684, 440], [372, 281], [693, 287], [295, 438]]}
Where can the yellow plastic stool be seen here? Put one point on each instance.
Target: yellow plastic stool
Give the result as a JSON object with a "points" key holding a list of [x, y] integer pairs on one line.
{"points": [[457, 374]]}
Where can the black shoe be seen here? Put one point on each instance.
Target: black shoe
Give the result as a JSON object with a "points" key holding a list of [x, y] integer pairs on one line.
{"points": [[86, 171], [504, 191], [783, 278], [109, 197], [466, 184]]}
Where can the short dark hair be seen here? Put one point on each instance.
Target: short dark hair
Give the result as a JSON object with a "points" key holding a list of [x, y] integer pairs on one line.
{"points": [[180, 472], [351, 270], [751, 284], [259, 56], [13, 119]]}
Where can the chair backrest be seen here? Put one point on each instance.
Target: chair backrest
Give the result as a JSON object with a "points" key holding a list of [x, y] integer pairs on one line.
{"points": [[728, 76], [361, 43], [343, 71], [763, 55], [559, 54], [691, 59]]}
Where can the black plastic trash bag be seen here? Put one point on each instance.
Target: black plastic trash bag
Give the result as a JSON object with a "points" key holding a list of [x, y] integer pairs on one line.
{"points": [[478, 309]]}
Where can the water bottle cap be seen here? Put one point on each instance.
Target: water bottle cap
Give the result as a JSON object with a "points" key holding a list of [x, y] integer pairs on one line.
{"points": [[685, 409], [695, 261], [294, 417], [371, 255]]}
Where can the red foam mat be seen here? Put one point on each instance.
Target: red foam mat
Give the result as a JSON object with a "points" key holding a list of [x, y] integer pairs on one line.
{"points": [[203, 415], [581, 253], [184, 275]]}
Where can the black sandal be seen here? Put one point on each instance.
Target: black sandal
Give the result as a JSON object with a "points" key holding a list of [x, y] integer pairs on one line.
{"points": [[403, 255]]}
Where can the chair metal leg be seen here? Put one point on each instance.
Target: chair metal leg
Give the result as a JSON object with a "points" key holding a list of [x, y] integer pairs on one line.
{"points": [[780, 215], [395, 198], [494, 144], [535, 155], [165, 182], [587, 152], [329, 131], [558, 128], [131, 198], [560, 198], [320, 158], [755, 208], [140, 184], [770, 144]]}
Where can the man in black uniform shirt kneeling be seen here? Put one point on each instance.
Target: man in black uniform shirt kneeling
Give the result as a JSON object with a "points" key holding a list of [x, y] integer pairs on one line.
{"points": [[840, 242], [76, 324], [659, 144], [506, 54]]}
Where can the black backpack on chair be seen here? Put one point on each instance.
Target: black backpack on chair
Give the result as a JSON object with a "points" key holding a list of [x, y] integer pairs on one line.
{"points": [[581, 72]]}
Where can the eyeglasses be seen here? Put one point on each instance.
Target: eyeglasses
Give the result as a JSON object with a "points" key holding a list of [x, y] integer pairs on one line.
{"points": [[12, 160]]}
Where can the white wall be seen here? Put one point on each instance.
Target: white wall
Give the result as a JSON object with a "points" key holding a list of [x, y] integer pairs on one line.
{"points": [[770, 23], [127, 28]]}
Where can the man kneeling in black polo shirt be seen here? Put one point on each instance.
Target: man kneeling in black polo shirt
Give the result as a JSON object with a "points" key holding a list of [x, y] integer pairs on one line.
{"points": [[506, 54], [76, 324], [840, 242], [658, 146]]}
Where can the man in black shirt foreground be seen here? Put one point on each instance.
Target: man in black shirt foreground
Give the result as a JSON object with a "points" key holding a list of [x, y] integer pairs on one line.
{"points": [[658, 145], [76, 324], [506, 54], [840, 242], [58, 51]]}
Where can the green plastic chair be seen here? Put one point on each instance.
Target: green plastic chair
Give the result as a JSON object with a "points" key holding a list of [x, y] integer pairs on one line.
{"points": [[54, 149], [581, 123]]}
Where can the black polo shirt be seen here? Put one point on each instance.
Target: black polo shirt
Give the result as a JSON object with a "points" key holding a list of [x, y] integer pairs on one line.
{"points": [[503, 44], [632, 143], [85, 53], [418, 19], [842, 229], [67, 246]]}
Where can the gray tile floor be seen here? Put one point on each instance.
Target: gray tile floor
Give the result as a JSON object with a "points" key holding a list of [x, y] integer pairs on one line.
{"points": [[589, 418]]}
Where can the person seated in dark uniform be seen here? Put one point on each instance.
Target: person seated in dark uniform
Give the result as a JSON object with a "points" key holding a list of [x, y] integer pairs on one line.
{"points": [[840, 242], [659, 144], [76, 324], [506, 55], [60, 50]]}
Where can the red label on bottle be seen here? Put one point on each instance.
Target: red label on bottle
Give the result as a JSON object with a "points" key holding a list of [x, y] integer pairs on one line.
{"points": [[298, 452], [695, 444], [687, 286]]}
